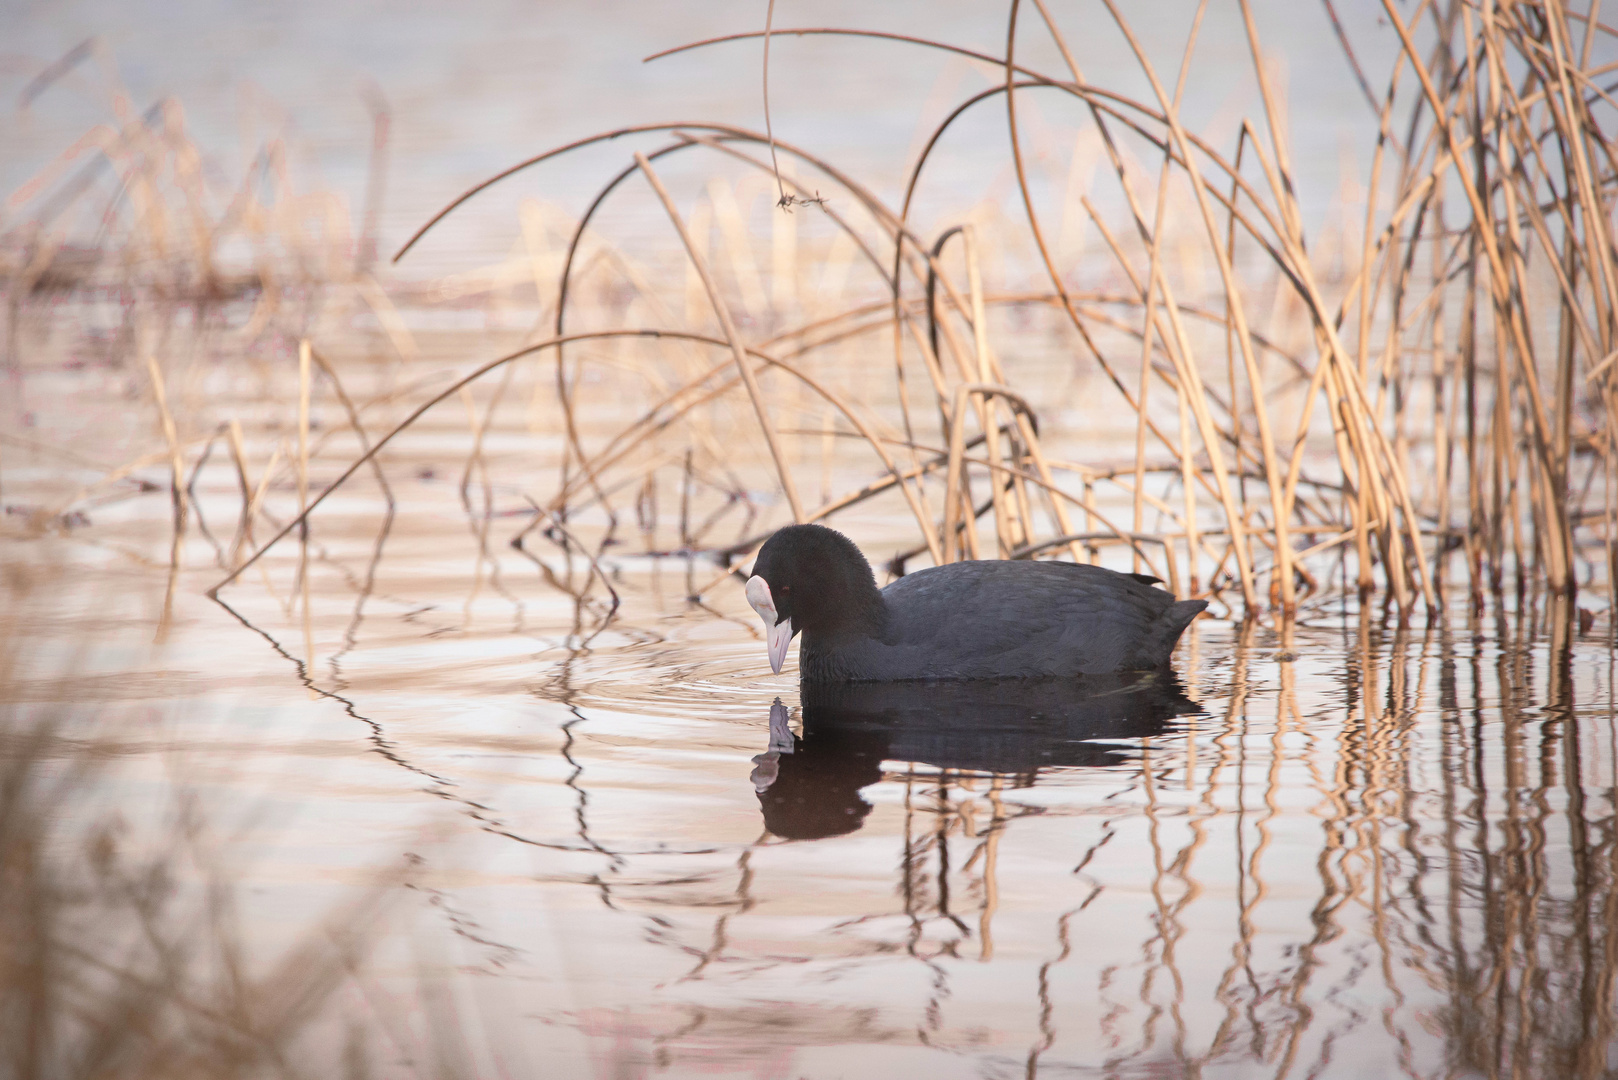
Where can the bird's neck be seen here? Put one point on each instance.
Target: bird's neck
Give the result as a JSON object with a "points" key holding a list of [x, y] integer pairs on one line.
{"points": [[860, 613]]}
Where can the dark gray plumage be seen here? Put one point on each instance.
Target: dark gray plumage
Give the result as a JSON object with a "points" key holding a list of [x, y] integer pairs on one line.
{"points": [[970, 620]]}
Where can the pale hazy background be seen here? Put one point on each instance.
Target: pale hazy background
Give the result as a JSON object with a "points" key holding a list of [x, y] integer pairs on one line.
{"points": [[477, 84]]}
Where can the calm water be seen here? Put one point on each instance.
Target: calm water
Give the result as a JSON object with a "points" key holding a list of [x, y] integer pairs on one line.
{"points": [[596, 846], [411, 801]]}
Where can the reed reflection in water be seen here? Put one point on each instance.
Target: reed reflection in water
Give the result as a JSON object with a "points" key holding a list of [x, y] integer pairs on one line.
{"points": [[1336, 847], [1332, 848], [1413, 873]]}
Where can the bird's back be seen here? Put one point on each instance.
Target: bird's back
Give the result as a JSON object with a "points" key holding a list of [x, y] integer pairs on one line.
{"points": [[999, 619]]}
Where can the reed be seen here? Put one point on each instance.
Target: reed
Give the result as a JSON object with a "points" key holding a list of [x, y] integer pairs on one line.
{"points": [[1445, 387], [1517, 134]]}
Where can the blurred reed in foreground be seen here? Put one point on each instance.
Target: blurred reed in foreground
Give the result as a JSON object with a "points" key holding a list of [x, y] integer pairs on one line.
{"points": [[131, 944]]}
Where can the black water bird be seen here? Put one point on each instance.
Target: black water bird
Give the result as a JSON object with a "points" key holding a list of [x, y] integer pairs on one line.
{"points": [[987, 619]]}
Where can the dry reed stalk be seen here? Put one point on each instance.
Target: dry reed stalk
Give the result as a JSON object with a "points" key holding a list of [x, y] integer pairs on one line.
{"points": [[305, 362], [1610, 481], [766, 425], [305, 380], [1044, 251], [474, 459], [1376, 462], [1148, 297], [1062, 293], [1197, 398], [1153, 274], [353, 422], [1142, 399], [1559, 548], [263, 488], [957, 497], [984, 366], [1243, 337], [1443, 413], [244, 524], [388, 315], [1192, 540], [1004, 526], [738, 250], [177, 493], [171, 436]]}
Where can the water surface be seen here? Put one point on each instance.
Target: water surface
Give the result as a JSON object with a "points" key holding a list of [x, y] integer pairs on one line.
{"points": [[1337, 847]]}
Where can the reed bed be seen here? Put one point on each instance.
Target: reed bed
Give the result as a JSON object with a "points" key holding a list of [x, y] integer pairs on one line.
{"points": [[1431, 381]]}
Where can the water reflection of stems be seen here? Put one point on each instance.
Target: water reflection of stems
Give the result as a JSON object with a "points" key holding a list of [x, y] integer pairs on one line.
{"points": [[567, 543], [123, 950]]}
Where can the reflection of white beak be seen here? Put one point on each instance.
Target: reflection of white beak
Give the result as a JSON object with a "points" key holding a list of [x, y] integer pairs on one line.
{"points": [[777, 635], [768, 764], [780, 729]]}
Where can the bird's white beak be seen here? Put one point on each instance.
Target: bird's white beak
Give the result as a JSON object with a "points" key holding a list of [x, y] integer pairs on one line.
{"points": [[777, 635]]}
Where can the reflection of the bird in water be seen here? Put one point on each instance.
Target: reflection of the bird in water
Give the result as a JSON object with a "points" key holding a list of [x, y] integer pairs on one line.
{"points": [[809, 784]]}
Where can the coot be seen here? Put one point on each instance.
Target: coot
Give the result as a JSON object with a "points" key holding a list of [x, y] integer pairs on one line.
{"points": [[968, 620]]}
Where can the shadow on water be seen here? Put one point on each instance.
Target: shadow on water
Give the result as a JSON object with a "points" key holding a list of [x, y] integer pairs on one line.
{"points": [[808, 785]]}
